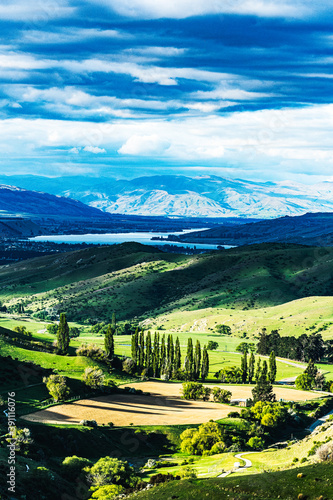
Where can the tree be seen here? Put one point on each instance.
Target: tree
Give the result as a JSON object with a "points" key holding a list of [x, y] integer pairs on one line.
{"points": [[205, 364], [212, 346], [272, 368], [221, 395], [263, 390], [256, 443], [109, 342], [63, 334], [177, 356], [135, 346], [56, 385], [141, 361], [156, 355], [74, 332], [223, 329], [114, 321], [52, 328], [258, 371], [197, 361], [262, 344], [148, 356], [244, 368], [93, 378], [194, 390], [189, 361], [207, 439], [304, 382], [163, 359], [311, 369], [110, 470], [107, 492], [251, 367]]}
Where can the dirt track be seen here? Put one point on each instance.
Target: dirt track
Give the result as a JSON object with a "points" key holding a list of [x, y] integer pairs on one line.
{"points": [[163, 407]]}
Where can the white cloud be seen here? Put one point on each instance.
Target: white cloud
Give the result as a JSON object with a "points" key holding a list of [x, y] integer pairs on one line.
{"points": [[280, 140], [143, 145], [178, 9], [70, 35], [35, 13], [94, 149], [74, 151]]}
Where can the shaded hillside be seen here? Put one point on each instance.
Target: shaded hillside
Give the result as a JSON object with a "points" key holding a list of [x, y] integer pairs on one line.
{"points": [[139, 281], [309, 229], [17, 227]]}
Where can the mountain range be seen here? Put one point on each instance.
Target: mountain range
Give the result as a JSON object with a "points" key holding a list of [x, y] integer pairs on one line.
{"points": [[177, 195]]}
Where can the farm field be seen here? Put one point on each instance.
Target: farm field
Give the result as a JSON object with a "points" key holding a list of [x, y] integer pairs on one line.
{"points": [[163, 406]]}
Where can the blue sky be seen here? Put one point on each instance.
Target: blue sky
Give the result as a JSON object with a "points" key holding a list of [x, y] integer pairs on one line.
{"points": [[236, 88]]}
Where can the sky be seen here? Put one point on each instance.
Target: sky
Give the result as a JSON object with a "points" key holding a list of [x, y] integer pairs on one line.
{"points": [[125, 88]]}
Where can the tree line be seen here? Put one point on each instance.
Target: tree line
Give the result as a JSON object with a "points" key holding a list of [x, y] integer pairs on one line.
{"points": [[160, 357], [302, 348]]}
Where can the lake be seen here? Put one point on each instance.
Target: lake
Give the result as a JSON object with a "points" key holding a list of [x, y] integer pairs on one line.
{"points": [[112, 238]]}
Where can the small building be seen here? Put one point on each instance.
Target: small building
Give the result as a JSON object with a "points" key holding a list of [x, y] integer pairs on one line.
{"points": [[240, 402]]}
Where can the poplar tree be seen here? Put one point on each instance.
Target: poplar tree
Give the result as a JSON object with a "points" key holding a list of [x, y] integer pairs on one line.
{"points": [[156, 355], [148, 357], [109, 342], [258, 370], [178, 356], [244, 368], [205, 364], [251, 367], [162, 356], [263, 390], [189, 361], [272, 367], [141, 350], [63, 334], [114, 321], [134, 346], [197, 360]]}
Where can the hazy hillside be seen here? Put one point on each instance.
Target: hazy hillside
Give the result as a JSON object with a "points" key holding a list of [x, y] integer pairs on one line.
{"points": [[17, 227], [14, 200], [205, 196], [139, 281], [308, 229]]}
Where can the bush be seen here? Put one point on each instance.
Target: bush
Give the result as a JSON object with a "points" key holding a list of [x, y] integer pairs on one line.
{"points": [[161, 478], [201, 440], [89, 423], [304, 382], [92, 351], [56, 385], [256, 443], [73, 466], [325, 452], [188, 473], [107, 492], [110, 470], [221, 395], [195, 390], [93, 378]]}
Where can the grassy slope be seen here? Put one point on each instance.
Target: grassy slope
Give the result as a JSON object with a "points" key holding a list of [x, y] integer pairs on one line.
{"points": [[95, 281], [284, 485]]}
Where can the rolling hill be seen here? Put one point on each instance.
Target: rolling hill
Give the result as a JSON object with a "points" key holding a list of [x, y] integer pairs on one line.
{"points": [[142, 282]]}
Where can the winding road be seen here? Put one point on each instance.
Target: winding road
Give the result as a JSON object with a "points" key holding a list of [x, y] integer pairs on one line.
{"points": [[248, 463]]}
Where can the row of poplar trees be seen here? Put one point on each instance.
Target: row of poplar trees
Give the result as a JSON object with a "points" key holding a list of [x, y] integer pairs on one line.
{"points": [[161, 357], [251, 373]]}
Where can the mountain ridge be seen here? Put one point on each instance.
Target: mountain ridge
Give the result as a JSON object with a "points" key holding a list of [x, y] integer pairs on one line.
{"points": [[200, 196]]}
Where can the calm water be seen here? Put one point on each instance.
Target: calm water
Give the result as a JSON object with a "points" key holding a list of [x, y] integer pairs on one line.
{"points": [[111, 238]]}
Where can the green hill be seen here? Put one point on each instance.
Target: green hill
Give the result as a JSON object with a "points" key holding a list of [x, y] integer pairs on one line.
{"points": [[140, 281], [315, 484]]}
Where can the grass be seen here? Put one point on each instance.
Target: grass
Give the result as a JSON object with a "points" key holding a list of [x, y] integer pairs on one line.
{"points": [[284, 485], [93, 282]]}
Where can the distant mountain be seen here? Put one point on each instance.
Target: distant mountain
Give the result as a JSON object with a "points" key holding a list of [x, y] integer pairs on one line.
{"points": [[14, 200], [202, 196], [308, 229]]}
